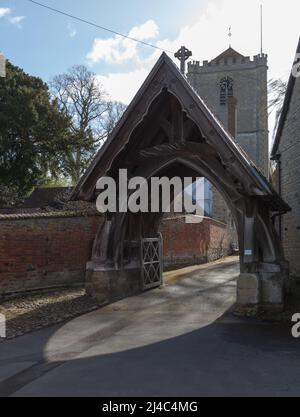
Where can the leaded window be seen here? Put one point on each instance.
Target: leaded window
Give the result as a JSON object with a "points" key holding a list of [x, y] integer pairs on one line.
{"points": [[226, 90]]}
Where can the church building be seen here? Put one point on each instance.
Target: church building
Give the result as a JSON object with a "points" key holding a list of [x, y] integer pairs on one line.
{"points": [[235, 89]]}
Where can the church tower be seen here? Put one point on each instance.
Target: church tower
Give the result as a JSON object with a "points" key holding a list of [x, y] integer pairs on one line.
{"points": [[235, 88]]}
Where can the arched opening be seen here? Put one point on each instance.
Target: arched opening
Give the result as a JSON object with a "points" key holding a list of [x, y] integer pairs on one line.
{"points": [[168, 131], [133, 227], [173, 145]]}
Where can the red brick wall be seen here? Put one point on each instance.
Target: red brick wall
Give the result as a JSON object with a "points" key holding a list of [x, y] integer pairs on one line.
{"points": [[219, 241], [181, 239], [38, 253], [186, 244], [43, 252]]}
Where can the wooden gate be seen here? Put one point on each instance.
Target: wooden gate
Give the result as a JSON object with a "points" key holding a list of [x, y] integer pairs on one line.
{"points": [[152, 263]]}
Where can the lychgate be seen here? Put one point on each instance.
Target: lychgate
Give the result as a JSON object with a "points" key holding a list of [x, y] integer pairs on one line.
{"points": [[168, 130]]}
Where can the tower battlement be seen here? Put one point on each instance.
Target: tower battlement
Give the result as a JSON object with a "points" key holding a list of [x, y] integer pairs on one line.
{"points": [[230, 62]]}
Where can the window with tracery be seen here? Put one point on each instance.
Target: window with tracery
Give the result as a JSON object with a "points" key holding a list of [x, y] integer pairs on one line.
{"points": [[226, 89]]}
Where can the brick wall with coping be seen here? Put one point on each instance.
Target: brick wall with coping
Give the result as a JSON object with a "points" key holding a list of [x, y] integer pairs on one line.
{"points": [[51, 250], [44, 250]]}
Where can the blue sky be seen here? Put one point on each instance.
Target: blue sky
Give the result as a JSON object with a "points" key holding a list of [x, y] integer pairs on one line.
{"points": [[46, 44]]}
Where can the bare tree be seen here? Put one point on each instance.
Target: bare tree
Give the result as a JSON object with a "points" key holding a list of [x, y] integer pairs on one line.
{"points": [[81, 97], [277, 90], [114, 114]]}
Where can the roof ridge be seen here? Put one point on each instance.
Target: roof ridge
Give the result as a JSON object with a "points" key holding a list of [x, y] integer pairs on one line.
{"points": [[240, 155], [228, 53]]}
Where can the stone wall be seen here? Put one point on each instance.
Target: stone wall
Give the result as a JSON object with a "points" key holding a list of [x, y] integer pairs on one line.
{"points": [[250, 90], [289, 149], [251, 112]]}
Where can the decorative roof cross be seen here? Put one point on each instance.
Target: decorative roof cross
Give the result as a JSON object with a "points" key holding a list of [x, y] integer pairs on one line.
{"points": [[230, 36], [183, 55]]}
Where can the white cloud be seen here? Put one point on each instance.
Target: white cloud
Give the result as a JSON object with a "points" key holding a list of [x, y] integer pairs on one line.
{"points": [[113, 50], [118, 50], [148, 30], [123, 86], [207, 37], [4, 11], [16, 20]]}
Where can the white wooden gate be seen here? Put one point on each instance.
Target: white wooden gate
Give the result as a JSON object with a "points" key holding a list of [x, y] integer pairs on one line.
{"points": [[152, 263]]}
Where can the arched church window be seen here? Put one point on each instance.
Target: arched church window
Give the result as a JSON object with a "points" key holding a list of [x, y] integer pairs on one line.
{"points": [[226, 89]]}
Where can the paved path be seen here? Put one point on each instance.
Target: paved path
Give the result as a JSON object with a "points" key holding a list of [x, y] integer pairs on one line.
{"points": [[180, 340]]}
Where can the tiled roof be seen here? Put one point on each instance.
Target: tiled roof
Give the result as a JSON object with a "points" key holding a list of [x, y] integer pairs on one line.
{"points": [[229, 53], [43, 197]]}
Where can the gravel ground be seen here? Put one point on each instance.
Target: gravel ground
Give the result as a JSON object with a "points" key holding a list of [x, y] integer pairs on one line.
{"points": [[29, 313]]}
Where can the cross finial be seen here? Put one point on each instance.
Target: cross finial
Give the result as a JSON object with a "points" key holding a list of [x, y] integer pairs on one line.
{"points": [[183, 55], [230, 36]]}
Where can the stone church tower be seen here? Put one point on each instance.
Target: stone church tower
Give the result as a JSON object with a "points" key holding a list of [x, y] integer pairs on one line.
{"points": [[235, 88]]}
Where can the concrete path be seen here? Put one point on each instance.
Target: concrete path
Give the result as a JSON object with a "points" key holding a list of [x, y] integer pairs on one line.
{"points": [[180, 340]]}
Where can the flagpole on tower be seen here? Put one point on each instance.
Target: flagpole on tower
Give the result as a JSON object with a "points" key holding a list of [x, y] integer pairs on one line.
{"points": [[261, 29]]}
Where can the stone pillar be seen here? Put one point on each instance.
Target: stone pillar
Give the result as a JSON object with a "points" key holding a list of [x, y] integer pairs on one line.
{"points": [[107, 285], [263, 291], [248, 294], [261, 284]]}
